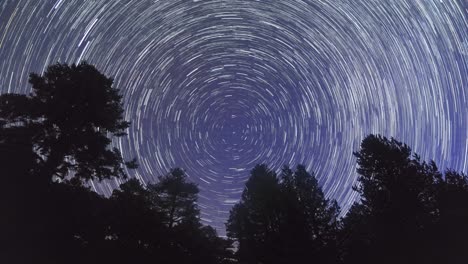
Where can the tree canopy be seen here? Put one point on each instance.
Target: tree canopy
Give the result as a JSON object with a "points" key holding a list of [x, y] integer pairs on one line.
{"points": [[283, 219], [403, 208], [58, 137], [66, 123]]}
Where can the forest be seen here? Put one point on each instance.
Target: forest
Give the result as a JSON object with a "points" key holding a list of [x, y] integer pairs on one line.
{"points": [[58, 138]]}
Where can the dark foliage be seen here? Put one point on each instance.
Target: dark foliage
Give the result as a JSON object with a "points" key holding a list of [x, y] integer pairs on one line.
{"points": [[176, 199], [69, 223], [284, 221], [408, 213], [451, 230], [67, 120], [56, 139]]}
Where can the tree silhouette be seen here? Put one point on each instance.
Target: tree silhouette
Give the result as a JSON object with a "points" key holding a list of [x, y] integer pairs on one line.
{"points": [[255, 221], [287, 221], [310, 221], [219, 249], [397, 206], [63, 128], [175, 198], [134, 230], [451, 232], [161, 223], [69, 118], [58, 137]]}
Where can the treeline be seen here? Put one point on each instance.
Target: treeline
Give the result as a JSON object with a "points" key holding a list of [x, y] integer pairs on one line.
{"points": [[66, 223], [408, 212], [58, 138], [52, 143]]}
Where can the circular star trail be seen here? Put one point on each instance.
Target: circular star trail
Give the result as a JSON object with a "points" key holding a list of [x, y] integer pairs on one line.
{"points": [[218, 86]]}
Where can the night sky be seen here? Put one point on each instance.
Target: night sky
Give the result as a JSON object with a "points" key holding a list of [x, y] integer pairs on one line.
{"points": [[218, 86]]}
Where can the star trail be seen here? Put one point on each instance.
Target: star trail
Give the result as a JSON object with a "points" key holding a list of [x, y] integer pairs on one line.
{"points": [[218, 86]]}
